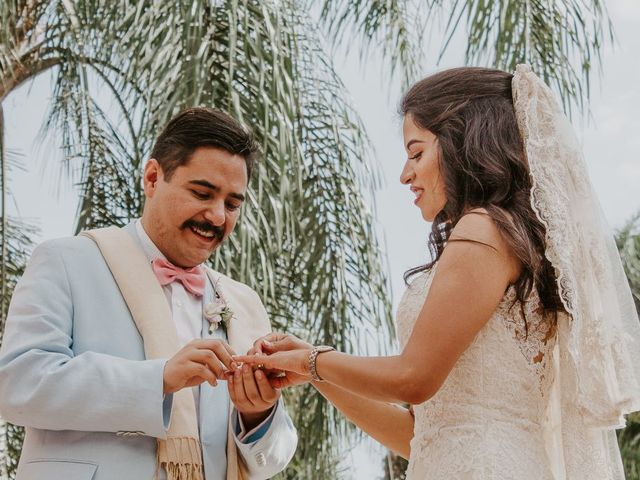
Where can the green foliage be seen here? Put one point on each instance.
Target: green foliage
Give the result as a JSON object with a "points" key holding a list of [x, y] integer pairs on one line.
{"points": [[19, 237], [628, 241], [629, 441], [394, 466], [391, 27], [13, 436]]}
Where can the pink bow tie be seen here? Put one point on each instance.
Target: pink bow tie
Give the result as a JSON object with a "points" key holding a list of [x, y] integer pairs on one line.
{"points": [[192, 279]]}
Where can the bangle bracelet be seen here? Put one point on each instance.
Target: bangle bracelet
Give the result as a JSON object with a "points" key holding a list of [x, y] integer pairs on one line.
{"points": [[313, 356]]}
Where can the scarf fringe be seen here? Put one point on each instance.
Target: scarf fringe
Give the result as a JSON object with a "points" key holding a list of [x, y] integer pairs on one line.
{"points": [[181, 457]]}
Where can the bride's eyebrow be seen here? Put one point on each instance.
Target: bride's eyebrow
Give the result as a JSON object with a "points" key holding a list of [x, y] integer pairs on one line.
{"points": [[412, 142]]}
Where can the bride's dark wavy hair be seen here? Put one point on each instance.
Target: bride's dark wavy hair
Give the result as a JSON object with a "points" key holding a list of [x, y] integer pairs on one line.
{"points": [[483, 165]]}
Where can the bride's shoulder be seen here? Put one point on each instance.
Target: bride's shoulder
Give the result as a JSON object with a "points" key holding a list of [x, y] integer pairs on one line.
{"points": [[477, 226]]}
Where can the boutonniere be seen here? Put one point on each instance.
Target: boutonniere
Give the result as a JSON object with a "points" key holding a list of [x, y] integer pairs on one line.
{"points": [[218, 312]]}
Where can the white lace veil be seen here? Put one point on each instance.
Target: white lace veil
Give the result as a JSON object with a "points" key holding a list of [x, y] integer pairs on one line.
{"points": [[599, 341]]}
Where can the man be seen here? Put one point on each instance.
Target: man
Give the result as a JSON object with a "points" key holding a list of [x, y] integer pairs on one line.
{"points": [[73, 368]]}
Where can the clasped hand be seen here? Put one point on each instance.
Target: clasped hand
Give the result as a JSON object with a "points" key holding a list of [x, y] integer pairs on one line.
{"points": [[284, 357], [211, 360]]}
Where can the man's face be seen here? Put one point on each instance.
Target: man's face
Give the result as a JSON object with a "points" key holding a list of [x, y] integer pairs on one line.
{"points": [[188, 216]]}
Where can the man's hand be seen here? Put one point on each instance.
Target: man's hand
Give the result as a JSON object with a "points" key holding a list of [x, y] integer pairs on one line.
{"points": [[202, 360], [252, 395]]}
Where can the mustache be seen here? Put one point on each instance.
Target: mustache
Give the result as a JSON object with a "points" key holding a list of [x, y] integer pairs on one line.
{"points": [[218, 232]]}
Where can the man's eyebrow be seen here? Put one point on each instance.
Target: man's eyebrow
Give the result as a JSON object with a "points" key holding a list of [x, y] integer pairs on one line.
{"points": [[204, 183], [411, 142], [211, 186]]}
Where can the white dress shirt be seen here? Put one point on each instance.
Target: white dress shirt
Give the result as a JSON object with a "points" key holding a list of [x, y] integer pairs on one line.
{"points": [[187, 313]]}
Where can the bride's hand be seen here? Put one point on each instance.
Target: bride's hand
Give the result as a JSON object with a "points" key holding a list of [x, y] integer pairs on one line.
{"points": [[294, 361], [281, 353], [278, 342]]}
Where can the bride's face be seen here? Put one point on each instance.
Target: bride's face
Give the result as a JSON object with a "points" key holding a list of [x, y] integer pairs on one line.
{"points": [[422, 169]]}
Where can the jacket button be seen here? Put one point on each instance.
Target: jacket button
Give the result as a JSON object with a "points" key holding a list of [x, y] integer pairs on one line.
{"points": [[123, 433]]}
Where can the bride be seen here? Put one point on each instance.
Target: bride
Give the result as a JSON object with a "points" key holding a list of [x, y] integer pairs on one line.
{"points": [[520, 344]]}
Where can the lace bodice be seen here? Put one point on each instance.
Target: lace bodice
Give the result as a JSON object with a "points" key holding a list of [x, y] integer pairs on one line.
{"points": [[486, 421]]}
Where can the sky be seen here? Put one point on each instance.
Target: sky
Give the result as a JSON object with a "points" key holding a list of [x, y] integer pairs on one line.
{"points": [[611, 142]]}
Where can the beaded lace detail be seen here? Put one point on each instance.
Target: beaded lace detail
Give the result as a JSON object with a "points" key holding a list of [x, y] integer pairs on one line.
{"points": [[486, 420]]}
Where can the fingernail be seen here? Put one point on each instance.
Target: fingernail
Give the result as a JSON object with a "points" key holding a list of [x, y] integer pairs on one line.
{"points": [[234, 366], [259, 374], [237, 373], [245, 368]]}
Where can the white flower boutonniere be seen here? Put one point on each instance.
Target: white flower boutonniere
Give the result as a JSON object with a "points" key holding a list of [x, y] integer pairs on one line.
{"points": [[218, 312]]}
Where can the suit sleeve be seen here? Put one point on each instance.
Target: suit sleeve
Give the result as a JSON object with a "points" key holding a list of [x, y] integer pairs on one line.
{"points": [[268, 448], [273, 449], [43, 384]]}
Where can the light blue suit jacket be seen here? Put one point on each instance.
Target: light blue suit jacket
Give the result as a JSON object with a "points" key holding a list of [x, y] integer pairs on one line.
{"points": [[73, 371]]}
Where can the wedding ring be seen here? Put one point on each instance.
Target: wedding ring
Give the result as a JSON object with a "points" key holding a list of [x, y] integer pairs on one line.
{"points": [[260, 366]]}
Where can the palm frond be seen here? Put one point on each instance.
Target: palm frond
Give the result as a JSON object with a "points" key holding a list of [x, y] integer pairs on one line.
{"points": [[22, 52], [306, 241], [97, 154], [387, 26], [562, 41]]}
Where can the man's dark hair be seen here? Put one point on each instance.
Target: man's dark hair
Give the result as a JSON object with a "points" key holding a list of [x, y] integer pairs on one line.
{"points": [[202, 127]]}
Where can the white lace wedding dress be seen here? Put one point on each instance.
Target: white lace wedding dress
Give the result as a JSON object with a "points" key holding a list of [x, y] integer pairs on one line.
{"points": [[488, 420]]}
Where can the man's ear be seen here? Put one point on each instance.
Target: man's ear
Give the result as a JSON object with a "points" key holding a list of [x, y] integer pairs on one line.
{"points": [[152, 175]]}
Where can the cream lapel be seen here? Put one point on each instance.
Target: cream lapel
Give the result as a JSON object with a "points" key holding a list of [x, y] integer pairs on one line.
{"points": [[181, 450], [237, 338], [248, 321]]}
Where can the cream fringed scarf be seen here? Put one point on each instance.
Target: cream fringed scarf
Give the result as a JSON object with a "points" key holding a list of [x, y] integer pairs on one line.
{"points": [[180, 453]]}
